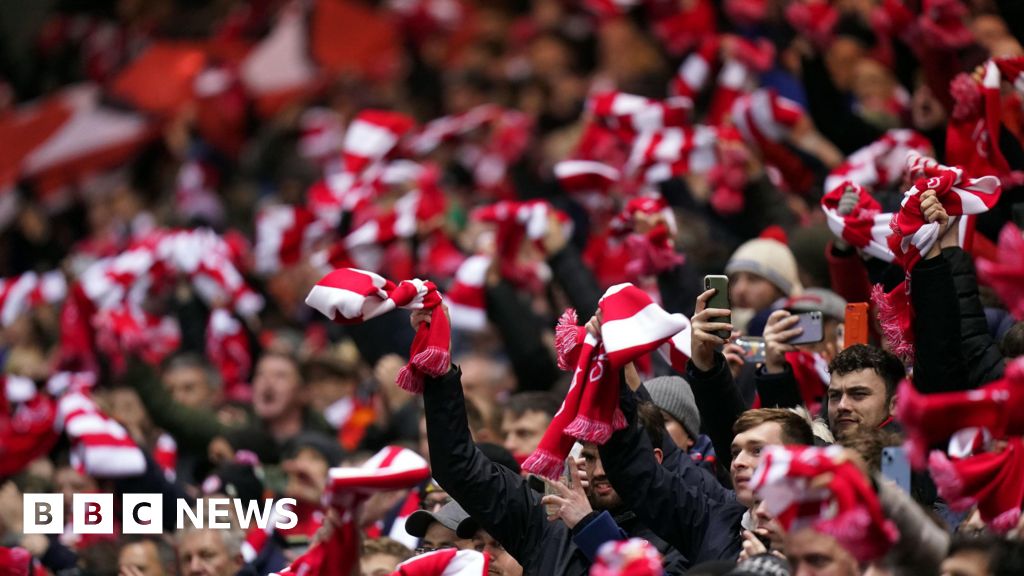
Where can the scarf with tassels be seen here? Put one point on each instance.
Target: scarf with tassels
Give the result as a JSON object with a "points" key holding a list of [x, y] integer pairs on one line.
{"points": [[633, 326], [971, 471], [913, 236], [350, 296], [846, 507]]}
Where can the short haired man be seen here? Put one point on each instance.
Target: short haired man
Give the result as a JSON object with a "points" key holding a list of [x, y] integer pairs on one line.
{"points": [[453, 526], [146, 556], [380, 556], [192, 381], [525, 419]]}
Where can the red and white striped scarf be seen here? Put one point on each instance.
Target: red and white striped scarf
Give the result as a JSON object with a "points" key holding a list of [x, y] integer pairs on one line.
{"points": [[629, 114], [846, 508], [659, 155], [880, 164], [100, 446], [467, 301], [229, 350], [972, 135], [284, 236], [632, 326], [913, 237], [21, 293], [392, 468], [866, 227], [350, 296]]}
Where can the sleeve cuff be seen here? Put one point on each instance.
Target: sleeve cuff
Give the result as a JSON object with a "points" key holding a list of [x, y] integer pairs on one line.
{"points": [[600, 529]]}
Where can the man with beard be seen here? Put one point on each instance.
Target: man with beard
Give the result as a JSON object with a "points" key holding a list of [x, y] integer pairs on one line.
{"points": [[500, 500]]}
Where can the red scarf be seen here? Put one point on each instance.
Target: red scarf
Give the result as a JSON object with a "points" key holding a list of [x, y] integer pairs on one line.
{"points": [[633, 326], [350, 296], [866, 227], [392, 468], [846, 509]]}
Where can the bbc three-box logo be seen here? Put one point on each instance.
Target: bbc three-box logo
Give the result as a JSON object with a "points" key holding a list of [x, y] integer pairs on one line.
{"points": [[144, 513]]}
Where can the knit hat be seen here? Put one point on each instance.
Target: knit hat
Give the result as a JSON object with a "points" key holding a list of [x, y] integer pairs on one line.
{"points": [[674, 395], [818, 299], [769, 259], [451, 516]]}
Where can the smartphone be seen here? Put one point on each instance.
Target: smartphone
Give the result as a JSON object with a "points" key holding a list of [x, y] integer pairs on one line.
{"points": [[855, 326], [896, 467], [813, 329], [720, 299], [753, 349], [536, 483]]}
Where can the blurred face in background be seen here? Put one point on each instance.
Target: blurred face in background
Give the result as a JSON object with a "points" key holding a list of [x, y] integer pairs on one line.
{"points": [[69, 482], [523, 432], [276, 388], [814, 554], [751, 291], [306, 475], [189, 386]]}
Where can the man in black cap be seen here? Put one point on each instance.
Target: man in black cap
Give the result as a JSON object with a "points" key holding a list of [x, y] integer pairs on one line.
{"points": [[452, 527]]}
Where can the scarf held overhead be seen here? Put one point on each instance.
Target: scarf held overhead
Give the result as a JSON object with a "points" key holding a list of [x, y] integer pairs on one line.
{"points": [[633, 326], [350, 296]]}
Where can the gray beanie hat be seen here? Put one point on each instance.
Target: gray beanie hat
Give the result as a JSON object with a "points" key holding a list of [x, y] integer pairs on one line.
{"points": [[673, 395]]}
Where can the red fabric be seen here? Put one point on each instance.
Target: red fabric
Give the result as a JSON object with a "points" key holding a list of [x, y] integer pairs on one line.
{"points": [[228, 349], [26, 424], [810, 371], [865, 228], [350, 296], [847, 509], [632, 327], [934, 418], [633, 557], [19, 562], [992, 480], [653, 251], [518, 221], [1005, 272]]}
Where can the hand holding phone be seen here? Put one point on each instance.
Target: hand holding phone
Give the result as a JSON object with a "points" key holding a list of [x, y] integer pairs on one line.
{"points": [[712, 326], [753, 349], [811, 326], [719, 300]]}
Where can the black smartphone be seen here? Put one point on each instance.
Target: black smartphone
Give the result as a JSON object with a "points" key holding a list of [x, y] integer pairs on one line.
{"points": [[813, 328], [720, 299]]}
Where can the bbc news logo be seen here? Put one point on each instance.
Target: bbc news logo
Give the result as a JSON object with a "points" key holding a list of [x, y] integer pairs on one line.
{"points": [[144, 513]]}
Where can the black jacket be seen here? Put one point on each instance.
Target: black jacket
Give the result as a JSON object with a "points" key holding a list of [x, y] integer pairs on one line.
{"points": [[500, 500], [687, 508]]}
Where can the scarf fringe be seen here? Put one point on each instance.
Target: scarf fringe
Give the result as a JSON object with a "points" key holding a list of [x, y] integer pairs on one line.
{"points": [[1006, 521], [619, 420], [589, 430], [544, 464], [567, 339], [410, 380], [433, 361], [889, 319]]}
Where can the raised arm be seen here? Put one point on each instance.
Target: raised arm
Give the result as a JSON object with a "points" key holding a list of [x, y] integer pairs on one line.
{"points": [[531, 359], [497, 498]]}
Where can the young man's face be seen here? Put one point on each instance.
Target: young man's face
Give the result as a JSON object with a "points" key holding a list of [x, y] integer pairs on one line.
{"points": [[599, 490], [141, 557], [746, 455], [857, 400], [814, 554], [524, 432], [307, 475], [189, 386], [438, 536]]}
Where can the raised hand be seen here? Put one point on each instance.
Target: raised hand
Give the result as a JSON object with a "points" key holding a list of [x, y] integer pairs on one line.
{"points": [[704, 340], [569, 503], [777, 332]]}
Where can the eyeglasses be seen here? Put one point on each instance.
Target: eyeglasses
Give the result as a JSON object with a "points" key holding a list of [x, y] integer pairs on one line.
{"points": [[427, 549]]}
